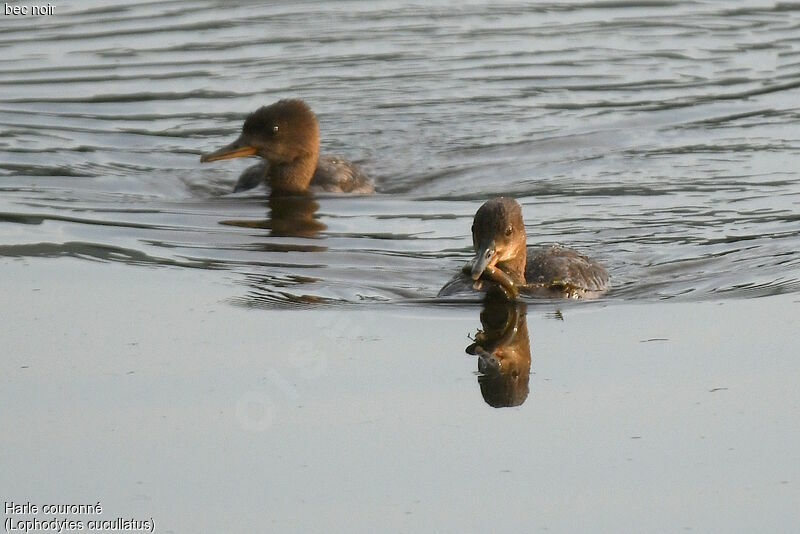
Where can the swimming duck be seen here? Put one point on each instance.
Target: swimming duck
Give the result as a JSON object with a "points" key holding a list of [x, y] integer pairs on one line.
{"points": [[286, 135], [502, 257]]}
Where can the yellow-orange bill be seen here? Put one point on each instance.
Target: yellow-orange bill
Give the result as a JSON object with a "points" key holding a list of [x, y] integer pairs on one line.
{"points": [[234, 150]]}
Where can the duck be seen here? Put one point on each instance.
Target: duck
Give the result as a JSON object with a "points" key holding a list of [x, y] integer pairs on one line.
{"points": [[286, 136], [505, 262]]}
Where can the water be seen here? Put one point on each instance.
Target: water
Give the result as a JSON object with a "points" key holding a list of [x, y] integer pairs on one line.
{"points": [[658, 137]]}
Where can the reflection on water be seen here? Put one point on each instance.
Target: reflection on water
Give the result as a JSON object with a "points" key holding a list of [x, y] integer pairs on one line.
{"points": [[502, 346], [288, 216], [659, 138]]}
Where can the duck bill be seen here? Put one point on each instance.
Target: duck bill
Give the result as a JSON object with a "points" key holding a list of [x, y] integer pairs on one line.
{"points": [[485, 257], [237, 149]]}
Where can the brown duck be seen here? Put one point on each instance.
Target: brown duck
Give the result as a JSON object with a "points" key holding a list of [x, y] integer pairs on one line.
{"points": [[503, 259], [286, 135]]}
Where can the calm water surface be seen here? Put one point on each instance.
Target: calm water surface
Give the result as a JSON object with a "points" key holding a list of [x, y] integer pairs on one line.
{"points": [[659, 137]]}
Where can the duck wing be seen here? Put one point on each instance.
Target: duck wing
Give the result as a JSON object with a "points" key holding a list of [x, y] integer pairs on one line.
{"points": [[558, 266], [334, 174]]}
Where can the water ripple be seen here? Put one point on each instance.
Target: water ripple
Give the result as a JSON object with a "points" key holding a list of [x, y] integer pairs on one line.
{"points": [[658, 136]]}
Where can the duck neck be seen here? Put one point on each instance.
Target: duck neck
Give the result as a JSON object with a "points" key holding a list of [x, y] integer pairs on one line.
{"points": [[292, 176], [515, 266]]}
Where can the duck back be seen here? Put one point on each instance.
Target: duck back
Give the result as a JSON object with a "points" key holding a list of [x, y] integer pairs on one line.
{"points": [[556, 266]]}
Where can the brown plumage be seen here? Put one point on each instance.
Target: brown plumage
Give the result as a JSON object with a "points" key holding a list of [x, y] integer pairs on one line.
{"points": [[286, 135], [502, 258]]}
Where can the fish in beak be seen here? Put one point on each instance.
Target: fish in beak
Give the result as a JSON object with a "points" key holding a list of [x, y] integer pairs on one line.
{"points": [[485, 257]]}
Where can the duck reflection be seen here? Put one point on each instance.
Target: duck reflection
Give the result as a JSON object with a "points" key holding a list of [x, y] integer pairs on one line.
{"points": [[288, 216], [273, 282], [504, 353]]}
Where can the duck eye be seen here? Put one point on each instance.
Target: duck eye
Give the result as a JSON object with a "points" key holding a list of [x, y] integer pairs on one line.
{"points": [[275, 129], [509, 231]]}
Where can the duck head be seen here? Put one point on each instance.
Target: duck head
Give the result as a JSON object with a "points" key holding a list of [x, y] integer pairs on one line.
{"points": [[286, 134], [498, 237]]}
